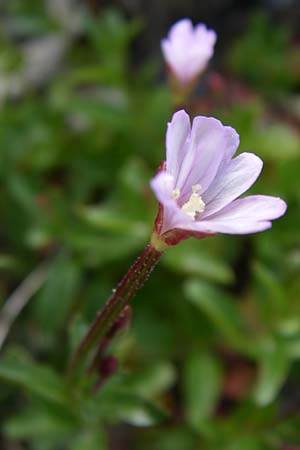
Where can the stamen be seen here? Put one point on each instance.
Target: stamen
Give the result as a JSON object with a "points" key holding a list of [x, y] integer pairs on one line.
{"points": [[196, 187], [195, 203]]}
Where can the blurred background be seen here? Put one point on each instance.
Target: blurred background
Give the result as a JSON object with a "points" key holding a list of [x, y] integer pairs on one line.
{"points": [[211, 359]]}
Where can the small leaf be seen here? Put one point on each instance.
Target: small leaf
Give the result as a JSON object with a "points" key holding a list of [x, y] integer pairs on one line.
{"points": [[201, 386], [34, 378], [273, 369], [151, 381], [125, 397], [131, 408], [247, 443], [221, 310], [194, 262], [39, 423], [277, 142], [108, 220], [54, 300], [90, 440]]}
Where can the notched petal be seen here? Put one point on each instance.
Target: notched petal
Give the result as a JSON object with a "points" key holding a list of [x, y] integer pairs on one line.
{"points": [[178, 133], [236, 177]]}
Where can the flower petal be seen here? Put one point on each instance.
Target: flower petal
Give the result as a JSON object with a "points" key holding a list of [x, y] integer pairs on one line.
{"points": [[176, 141], [228, 227], [182, 28], [233, 180], [176, 46], [187, 49], [202, 160], [162, 185], [206, 38], [253, 207], [232, 140], [246, 215]]}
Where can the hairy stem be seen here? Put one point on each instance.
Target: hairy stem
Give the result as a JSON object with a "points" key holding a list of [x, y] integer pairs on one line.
{"points": [[120, 297]]}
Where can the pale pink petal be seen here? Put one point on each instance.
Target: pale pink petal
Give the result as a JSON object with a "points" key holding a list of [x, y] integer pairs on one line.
{"points": [[253, 207], [243, 216], [187, 49], [162, 185], [181, 29], [173, 217], [232, 142], [176, 141], [205, 38], [207, 148], [242, 226], [235, 178], [176, 46]]}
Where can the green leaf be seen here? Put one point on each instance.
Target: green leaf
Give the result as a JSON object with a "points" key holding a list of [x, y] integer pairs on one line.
{"points": [[150, 381], [39, 423], [34, 378], [201, 387], [287, 430], [274, 366], [220, 309], [133, 398], [138, 411], [270, 296], [277, 142], [247, 443], [55, 298], [109, 220], [90, 440], [193, 261], [121, 405]]}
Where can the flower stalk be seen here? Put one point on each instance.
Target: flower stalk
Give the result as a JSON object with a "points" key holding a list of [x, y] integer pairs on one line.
{"points": [[111, 311]]}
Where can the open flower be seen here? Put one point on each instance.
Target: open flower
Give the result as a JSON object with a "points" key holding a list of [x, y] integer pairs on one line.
{"points": [[200, 182], [187, 49]]}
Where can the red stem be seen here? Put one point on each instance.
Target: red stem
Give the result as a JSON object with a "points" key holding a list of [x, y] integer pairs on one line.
{"points": [[121, 296]]}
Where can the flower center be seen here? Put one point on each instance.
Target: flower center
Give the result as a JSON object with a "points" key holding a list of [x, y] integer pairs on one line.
{"points": [[194, 205]]}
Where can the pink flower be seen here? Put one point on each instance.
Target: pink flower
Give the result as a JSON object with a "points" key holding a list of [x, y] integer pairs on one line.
{"points": [[187, 49], [200, 182]]}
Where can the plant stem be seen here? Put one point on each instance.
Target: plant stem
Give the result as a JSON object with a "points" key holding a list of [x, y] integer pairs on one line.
{"points": [[120, 297]]}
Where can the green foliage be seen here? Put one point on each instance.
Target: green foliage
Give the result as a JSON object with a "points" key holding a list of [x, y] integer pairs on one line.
{"points": [[211, 358], [34, 378], [263, 56], [202, 385]]}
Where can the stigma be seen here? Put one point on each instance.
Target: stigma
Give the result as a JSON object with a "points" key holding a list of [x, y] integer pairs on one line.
{"points": [[194, 205]]}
